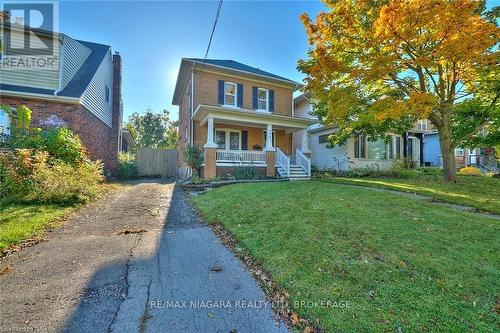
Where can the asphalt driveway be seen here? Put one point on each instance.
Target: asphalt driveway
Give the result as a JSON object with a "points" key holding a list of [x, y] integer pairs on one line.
{"points": [[117, 267]]}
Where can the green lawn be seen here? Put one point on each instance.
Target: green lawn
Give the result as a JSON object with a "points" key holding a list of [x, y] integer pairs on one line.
{"points": [[19, 222], [400, 262], [482, 193]]}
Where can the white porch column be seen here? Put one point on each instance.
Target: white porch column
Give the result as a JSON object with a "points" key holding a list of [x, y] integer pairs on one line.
{"points": [[304, 144], [269, 138], [210, 134]]}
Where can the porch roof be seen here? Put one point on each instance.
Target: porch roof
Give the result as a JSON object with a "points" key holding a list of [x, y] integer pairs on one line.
{"points": [[250, 117]]}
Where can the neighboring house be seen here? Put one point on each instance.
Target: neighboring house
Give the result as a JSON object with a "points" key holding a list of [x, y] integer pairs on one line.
{"points": [[482, 158], [358, 151], [240, 115], [127, 142], [82, 92]]}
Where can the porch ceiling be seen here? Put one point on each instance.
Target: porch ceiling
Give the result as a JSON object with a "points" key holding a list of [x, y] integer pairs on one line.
{"points": [[249, 118]]}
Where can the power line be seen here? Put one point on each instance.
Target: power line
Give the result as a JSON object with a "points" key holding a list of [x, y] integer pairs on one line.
{"points": [[213, 29]]}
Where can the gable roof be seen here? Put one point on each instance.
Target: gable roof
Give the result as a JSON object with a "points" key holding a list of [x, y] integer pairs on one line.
{"points": [[81, 80], [230, 65]]}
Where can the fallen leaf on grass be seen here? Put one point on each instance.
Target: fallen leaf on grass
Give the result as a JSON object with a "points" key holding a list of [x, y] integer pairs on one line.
{"points": [[295, 318]]}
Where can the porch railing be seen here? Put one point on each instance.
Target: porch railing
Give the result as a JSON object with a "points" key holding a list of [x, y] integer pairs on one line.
{"points": [[303, 161], [283, 162], [241, 157]]}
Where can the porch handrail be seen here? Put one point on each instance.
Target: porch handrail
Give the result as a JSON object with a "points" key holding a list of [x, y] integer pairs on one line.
{"points": [[303, 161], [241, 156], [283, 161]]}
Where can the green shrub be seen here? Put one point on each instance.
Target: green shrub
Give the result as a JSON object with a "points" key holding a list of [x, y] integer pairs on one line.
{"points": [[29, 176], [245, 172], [66, 183], [127, 169], [63, 145], [193, 156]]}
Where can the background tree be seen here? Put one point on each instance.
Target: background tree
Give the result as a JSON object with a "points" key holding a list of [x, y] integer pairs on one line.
{"points": [[379, 65], [154, 130]]}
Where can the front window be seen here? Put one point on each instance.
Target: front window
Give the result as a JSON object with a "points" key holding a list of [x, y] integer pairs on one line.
{"points": [[376, 150], [359, 146], [4, 124], [263, 99], [228, 139], [220, 139], [230, 94]]}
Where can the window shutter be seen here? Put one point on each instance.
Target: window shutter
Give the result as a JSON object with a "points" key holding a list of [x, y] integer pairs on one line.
{"points": [[271, 100], [239, 100], [244, 140], [254, 98], [221, 92]]}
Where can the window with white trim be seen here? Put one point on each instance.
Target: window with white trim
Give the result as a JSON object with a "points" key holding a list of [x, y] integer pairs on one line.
{"points": [[376, 150], [263, 99], [230, 91], [459, 152], [4, 123], [228, 139], [422, 124]]}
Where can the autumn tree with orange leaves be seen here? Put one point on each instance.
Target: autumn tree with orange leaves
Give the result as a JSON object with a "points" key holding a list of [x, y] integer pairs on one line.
{"points": [[378, 66]]}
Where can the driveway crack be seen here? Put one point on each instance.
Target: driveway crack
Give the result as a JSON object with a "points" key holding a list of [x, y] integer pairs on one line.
{"points": [[127, 282]]}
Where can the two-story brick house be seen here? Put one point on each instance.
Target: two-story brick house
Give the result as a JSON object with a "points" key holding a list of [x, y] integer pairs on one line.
{"points": [[82, 90], [240, 115]]}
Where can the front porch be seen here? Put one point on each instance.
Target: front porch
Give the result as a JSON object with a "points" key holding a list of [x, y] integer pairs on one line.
{"points": [[233, 138]]}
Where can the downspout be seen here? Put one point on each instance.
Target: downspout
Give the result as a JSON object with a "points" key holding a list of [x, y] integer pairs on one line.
{"points": [[293, 100], [191, 132]]}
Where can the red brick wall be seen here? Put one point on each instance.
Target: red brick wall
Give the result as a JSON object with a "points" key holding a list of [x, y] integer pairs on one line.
{"points": [[99, 139], [94, 134]]}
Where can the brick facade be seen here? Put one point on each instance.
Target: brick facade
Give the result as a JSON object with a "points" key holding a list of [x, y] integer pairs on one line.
{"points": [[100, 141], [94, 134], [282, 139], [206, 90]]}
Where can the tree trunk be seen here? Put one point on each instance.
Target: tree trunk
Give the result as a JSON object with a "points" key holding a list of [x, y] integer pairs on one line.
{"points": [[448, 153]]}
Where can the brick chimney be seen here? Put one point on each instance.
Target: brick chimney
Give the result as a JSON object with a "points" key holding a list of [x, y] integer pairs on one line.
{"points": [[117, 116]]}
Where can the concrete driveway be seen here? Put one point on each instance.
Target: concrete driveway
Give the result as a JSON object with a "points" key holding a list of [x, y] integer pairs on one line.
{"points": [[117, 267]]}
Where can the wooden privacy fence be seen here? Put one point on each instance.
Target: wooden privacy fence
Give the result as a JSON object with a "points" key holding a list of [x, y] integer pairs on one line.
{"points": [[156, 162]]}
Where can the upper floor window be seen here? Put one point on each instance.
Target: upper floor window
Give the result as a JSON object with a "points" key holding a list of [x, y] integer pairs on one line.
{"points": [[263, 99], [459, 152], [422, 124], [230, 90], [106, 93]]}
